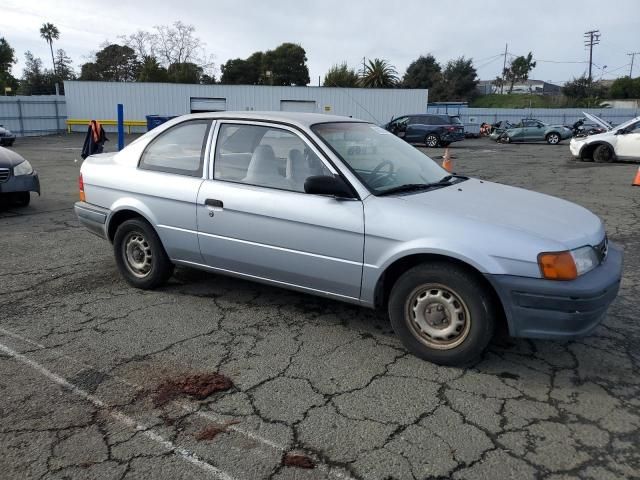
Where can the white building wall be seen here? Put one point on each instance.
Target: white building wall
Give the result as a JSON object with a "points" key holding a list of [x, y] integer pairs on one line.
{"points": [[98, 100]]}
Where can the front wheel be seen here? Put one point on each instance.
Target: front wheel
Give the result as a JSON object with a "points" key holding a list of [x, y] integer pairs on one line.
{"points": [[553, 138], [603, 154], [432, 140], [140, 256], [442, 314]]}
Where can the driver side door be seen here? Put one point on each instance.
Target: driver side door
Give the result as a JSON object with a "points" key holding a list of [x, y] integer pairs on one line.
{"points": [[628, 144], [256, 221]]}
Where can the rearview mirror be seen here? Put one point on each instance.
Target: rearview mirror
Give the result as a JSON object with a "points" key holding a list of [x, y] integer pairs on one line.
{"points": [[327, 185]]}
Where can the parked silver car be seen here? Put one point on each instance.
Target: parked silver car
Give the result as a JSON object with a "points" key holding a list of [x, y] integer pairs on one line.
{"points": [[286, 199]]}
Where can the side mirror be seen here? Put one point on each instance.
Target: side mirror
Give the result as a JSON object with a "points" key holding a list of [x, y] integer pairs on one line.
{"points": [[327, 185], [622, 131]]}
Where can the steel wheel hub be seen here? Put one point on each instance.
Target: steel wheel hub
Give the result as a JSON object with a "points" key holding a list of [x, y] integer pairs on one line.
{"points": [[137, 254], [438, 316]]}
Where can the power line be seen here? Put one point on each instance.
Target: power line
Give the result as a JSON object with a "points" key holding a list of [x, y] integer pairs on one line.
{"points": [[592, 37], [632, 55]]}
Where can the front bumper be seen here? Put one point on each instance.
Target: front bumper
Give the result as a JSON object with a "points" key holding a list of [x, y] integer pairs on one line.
{"points": [[21, 183], [7, 140], [92, 217], [539, 308]]}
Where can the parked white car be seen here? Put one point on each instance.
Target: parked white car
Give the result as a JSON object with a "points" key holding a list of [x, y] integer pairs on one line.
{"points": [[617, 143]]}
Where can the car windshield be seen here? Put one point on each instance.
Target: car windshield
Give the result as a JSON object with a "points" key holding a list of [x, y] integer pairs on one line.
{"points": [[382, 161]]}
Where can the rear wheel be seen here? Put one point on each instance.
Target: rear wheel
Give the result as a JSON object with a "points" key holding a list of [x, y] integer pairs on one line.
{"points": [[140, 256], [432, 140], [442, 313], [553, 138], [603, 154]]}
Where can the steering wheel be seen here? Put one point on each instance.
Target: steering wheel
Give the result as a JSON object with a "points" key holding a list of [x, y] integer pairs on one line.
{"points": [[376, 178]]}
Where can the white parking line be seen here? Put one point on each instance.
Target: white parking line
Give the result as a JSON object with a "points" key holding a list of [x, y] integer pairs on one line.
{"points": [[331, 471], [121, 417]]}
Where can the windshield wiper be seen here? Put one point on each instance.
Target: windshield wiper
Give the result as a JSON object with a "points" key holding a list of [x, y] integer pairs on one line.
{"points": [[411, 187]]}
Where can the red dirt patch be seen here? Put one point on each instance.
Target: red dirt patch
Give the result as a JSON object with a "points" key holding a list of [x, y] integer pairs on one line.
{"points": [[297, 460], [199, 386], [212, 431]]}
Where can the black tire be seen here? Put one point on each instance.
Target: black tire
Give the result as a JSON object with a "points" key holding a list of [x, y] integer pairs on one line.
{"points": [[21, 199], [553, 138], [603, 154], [140, 256], [469, 302], [432, 140]]}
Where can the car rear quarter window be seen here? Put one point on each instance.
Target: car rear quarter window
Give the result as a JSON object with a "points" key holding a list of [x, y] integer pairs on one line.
{"points": [[179, 150]]}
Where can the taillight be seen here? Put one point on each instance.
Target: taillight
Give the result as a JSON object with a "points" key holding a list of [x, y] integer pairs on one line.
{"points": [[81, 188], [451, 129]]}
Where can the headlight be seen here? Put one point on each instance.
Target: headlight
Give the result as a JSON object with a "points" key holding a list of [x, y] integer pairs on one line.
{"points": [[567, 265], [23, 168]]}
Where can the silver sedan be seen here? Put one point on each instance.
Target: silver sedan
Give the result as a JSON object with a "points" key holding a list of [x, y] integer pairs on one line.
{"points": [[341, 208]]}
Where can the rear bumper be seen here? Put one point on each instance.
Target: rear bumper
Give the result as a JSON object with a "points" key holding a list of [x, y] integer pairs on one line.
{"points": [[539, 308], [7, 140], [92, 217], [452, 137], [21, 183]]}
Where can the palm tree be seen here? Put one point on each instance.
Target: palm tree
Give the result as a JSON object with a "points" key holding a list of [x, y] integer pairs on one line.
{"points": [[379, 74], [49, 32]]}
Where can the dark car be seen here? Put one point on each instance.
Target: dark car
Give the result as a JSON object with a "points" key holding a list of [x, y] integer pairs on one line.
{"points": [[6, 137], [17, 178], [430, 129]]}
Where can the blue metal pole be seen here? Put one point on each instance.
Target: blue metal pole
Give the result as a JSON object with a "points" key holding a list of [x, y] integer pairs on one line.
{"points": [[120, 126]]}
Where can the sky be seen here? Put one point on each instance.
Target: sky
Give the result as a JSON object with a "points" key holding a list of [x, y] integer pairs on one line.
{"points": [[333, 31]]}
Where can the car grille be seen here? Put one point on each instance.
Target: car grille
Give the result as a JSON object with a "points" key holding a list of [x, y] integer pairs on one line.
{"points": [[4, 174], [602, 248]]}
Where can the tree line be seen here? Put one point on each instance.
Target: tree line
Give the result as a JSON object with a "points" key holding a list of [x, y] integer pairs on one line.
{"points": [[174, 53]]}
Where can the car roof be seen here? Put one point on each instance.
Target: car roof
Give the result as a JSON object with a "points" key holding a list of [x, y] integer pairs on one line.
{"points": [[300, 119]]}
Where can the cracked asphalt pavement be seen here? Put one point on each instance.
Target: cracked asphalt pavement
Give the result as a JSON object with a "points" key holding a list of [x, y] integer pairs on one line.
{"points": [[82, 353]]}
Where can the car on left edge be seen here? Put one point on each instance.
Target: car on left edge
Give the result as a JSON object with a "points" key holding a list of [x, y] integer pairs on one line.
{"points": [[17, 178], [6, 137]]}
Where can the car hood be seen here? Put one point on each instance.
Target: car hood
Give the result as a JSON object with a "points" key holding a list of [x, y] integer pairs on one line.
{"points": [[597, 120], [9, 158], [528, 212]]}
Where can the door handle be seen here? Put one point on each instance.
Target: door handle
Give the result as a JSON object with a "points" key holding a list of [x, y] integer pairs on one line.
{"points": [[213, 203]]}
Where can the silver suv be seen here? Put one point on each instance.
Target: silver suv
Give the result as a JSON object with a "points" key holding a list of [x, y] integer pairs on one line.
{"points": [[288, 199]]}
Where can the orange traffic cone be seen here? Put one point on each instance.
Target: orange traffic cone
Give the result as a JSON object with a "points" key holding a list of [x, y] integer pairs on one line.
{"points": [[636, 181], [447, 163]]}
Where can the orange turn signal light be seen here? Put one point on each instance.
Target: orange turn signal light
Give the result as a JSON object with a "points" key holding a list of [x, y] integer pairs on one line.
{"points": [[558, 266], [81, 188]]}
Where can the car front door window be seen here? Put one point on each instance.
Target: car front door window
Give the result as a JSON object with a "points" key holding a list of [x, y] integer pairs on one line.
{"points": [[265, 157]]}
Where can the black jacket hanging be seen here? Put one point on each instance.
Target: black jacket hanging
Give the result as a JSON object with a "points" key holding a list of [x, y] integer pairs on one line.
{"points": [[94, 140]]}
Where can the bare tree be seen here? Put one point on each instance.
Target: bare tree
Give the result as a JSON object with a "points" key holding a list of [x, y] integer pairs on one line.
{"points": [[174, 44], [143, 43]]}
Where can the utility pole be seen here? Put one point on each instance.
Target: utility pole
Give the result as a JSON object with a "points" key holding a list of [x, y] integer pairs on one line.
{"points": [[591, 38], [632, 55], [504, 67]]}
